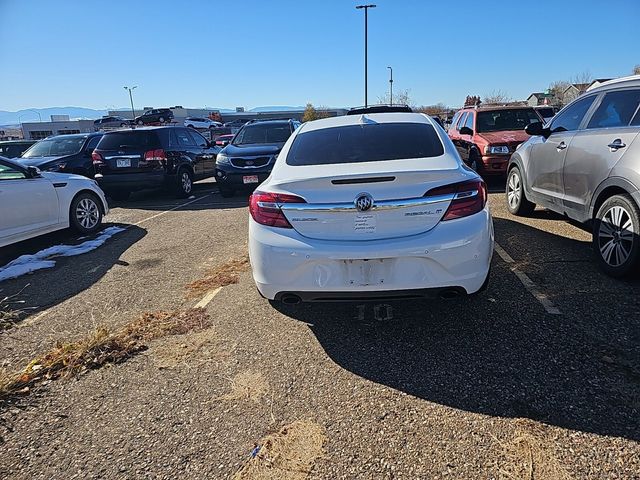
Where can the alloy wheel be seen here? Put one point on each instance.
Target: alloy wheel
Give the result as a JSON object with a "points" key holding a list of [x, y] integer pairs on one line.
{"points": [[186, 182], [514, 190], [87, 213], [615, 236]]}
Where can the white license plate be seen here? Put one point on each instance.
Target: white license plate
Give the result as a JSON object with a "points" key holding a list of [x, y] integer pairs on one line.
{"points": [[123, 162], [361, 273], [250, 179]]}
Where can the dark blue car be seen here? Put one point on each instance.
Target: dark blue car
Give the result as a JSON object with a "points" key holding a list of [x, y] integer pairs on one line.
{"points": [[247, 161]]}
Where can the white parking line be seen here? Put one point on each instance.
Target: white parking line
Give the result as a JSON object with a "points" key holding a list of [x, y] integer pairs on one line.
{"points": [[170, 210], [206, 300], [527, 282]]}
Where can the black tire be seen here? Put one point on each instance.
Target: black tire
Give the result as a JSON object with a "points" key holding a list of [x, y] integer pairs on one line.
{"points": [[140, 122], [616, 239], [517, 202], [184, 183], [191, 126], [474, 160], [85, 213], [161, 119], [122, 125], [119, 194]]}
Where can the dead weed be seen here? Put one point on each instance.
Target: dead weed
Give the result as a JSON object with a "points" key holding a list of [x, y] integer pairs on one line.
{"points": [[220, 276], [286, 455], [101, 347], [247, 385]]}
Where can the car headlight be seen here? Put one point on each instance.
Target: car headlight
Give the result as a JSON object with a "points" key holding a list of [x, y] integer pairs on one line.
{"points": [[222, 159], [499, 149]]}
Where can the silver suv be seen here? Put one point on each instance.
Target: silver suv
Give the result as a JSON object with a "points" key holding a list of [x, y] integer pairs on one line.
{"points": [[585, 164]]}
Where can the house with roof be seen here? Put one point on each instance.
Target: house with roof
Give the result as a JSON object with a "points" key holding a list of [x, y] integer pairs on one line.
{"points": [[540, 98], [597, 82], [573, 91]]}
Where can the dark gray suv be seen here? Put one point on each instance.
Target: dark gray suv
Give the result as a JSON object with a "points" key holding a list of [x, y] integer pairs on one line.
{"points": [[585, 164]]}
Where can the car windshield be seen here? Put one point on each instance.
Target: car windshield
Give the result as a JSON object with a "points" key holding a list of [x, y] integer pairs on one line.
{"points": [[365, 143], [546, 112], [56, 147], [508, 119], [263, 133]]}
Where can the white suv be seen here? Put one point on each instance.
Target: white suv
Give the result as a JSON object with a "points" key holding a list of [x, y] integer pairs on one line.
{"points": [[200, 123]]}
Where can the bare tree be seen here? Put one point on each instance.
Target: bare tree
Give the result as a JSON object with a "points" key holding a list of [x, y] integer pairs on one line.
{"points": [[433, 110], [401, 97], [557, 89], [636, 70], [497, 96], [582, 78]]}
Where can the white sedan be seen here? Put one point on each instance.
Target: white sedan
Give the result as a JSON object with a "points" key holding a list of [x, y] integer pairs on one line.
{"points": [[200, 123], [33, 203], [370, 206]]}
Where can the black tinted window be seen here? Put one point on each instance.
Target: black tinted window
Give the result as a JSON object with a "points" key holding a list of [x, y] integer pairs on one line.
{"points": [[124, 140], [263, 133], [365, 143], [508, 119], [616, 109], [199, 139], [92, 143], [184, 139], [571, 118]]}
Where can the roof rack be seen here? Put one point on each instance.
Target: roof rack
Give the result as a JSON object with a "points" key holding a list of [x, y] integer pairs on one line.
{"points": [[381, 108]]}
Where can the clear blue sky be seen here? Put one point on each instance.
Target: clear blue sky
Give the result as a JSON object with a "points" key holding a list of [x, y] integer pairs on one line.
{"points": [[285, 52]]}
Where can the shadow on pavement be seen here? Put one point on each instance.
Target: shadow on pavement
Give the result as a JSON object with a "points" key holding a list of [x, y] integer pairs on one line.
{"points": [[70, 276], [498, 353]]}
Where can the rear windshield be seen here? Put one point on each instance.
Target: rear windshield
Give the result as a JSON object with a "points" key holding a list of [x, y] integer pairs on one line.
{"points": [[365, 143], [546, 112], [263, 133], [56, 147], [128, 140], [501, 120]]}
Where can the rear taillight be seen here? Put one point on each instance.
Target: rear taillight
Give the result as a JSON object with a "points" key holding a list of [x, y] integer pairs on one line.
{"points": [[265, 208], [155, 155], [97, 158], [469, 198]]}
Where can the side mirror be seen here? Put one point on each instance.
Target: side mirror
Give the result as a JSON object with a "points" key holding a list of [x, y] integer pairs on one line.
{"points": [[34, 172], [466, 131], [536, 129]]}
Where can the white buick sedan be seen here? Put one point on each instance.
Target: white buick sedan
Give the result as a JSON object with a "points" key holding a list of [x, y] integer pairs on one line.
{"points": [[370, 206], [33, 203]]}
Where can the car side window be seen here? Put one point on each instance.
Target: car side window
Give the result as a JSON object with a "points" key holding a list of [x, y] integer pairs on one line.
{"points": [[7, 172], [571, 118], [184, 139], [469, 121], [616, 109], [93, 143], [461, 121], [455, 118], [199, 139]]}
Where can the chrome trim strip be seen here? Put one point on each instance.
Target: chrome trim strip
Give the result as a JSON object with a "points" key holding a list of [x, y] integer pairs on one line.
{"points": [[122, 156], [381, 205]]}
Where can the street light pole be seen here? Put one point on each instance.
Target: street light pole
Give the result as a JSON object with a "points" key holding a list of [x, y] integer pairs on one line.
{"points": [[391, 86], [37, 113], [366, 22], [133, 112]]}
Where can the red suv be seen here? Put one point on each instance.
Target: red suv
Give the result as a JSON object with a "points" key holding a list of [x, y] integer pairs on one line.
{"points": [[486, 136]]}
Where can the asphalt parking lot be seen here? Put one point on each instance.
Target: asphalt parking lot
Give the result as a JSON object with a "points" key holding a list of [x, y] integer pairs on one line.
{"points": [[538, 377]]}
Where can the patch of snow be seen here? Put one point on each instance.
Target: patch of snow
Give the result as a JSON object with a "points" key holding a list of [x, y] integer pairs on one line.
{"points": [[30, 263]]}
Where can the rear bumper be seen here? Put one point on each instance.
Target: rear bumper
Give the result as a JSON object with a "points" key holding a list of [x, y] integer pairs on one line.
{"points": [[133, 181], [455, 255]]}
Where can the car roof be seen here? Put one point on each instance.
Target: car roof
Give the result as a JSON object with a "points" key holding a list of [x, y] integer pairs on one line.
{"points": [[630, 81], [15, 142], [379, 109], [346, 120], [76, 135], [491, 108]]}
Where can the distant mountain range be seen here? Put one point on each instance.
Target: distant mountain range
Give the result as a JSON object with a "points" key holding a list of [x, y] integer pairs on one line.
{"points": [[29, 115]]}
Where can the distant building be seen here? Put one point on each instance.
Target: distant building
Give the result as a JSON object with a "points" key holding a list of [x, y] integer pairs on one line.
{"points": [[59, 125], [540, 98], [573, 91], [597, 82], [8, 133]]}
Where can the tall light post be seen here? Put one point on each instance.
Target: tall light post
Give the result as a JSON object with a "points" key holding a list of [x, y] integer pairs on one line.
{"points": [[131, 89], [390, 86], [366, 18]]}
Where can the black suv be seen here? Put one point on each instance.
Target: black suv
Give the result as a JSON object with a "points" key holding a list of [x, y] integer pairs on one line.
{"points": [[248, 159], [153, 157], [63, 153], [157, 115]]}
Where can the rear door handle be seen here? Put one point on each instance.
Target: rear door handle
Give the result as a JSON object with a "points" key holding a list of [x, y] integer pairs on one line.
{"points": [[561, 146], [616, 144]]}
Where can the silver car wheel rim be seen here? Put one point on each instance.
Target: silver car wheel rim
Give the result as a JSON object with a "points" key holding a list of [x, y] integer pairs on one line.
{"points": [[87, 213], [615, 236], [186, 182], [514, 190]]}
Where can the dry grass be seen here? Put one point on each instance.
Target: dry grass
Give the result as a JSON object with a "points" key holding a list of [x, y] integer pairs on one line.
{"points": [[221, 276], [247, 385], [9, 314], [286, 455], [100, 347], [529, 456]]}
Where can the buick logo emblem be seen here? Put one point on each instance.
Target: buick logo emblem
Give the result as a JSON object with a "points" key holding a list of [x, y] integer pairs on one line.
{"points": [[364, 202]]}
